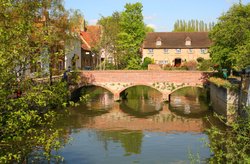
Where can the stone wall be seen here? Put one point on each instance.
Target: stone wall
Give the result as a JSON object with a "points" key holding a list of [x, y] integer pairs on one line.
{"points": [[224, 101]]}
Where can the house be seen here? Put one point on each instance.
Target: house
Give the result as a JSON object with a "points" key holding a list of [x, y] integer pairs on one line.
{"points": [[83, 52], [174, 48], [90, 38]]}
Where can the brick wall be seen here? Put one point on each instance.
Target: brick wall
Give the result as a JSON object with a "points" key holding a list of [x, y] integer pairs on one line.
{"points": [[145, 76]]}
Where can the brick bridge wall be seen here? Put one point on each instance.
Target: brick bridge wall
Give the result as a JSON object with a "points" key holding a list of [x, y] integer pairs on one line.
{"points": [[117, 81]]}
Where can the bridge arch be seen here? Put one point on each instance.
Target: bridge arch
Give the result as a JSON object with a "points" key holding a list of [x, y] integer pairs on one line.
{"points": [[75, 93], [134, 85], [186, 86]]}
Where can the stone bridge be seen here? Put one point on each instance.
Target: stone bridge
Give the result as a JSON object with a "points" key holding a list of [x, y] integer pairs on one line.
{"points": [[117, 81]]}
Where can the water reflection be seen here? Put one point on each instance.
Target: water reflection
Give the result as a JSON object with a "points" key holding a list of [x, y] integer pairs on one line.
{"points": [[142, 101], [131, 141], [136, 130], [190, 102]]}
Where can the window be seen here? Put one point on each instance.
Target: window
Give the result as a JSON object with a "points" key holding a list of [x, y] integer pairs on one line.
{"points": [[165, 51], [203, 51], [150, 51], [188, 41], [162, 62], [158, 42], [190, 51], [178, 50]]}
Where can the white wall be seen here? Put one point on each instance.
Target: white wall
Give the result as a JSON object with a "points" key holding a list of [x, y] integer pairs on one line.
{"points": [[73, 47]]}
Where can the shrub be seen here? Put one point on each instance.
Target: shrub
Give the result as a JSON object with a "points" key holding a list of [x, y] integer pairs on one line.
{"points": [[200, 59], [190, 65], [206, 65], [146, 62]]}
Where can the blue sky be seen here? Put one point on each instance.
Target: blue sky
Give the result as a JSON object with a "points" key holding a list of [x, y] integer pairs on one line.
{"points": [[160, 14]]}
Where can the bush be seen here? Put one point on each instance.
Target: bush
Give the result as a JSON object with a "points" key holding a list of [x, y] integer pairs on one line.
{"points": [[233, 144], [190, 65], [206, 65], [200, 59], [146, 62]]}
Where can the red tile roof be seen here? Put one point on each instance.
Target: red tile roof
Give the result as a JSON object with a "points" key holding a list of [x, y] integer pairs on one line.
{"points": [[177, 40], [90, 37]]}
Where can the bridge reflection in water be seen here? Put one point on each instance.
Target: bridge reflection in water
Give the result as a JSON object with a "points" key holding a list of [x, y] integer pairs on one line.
{"points": [[139, 129], [143, 110]]}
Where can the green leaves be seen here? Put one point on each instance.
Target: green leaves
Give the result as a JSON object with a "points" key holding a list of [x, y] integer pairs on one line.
{"points": [[28, 122], [131, 35], [231, 145], [231, 37]]}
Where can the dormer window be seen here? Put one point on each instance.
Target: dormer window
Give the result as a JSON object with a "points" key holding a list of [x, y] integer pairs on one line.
{"points": [[188, 41], [158, 41]]}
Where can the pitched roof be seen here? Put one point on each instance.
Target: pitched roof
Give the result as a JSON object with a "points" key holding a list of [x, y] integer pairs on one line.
{"points": [[177, 40], [90, 37]]}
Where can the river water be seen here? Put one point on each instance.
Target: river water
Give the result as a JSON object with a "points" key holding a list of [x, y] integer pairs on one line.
{"points": [[138, 129]]}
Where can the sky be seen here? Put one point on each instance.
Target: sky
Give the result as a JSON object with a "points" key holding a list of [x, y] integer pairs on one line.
{"points": [[159, 14]]}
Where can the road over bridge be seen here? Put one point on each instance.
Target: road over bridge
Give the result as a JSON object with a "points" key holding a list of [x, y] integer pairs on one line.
{"points": [[117, 81]]}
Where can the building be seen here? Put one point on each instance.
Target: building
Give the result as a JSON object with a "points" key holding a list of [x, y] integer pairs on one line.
{"points": [[90, 38], [175, 48]]}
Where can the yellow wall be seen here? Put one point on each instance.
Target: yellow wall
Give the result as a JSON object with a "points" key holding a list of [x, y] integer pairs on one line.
{"points": [[160, 55]]}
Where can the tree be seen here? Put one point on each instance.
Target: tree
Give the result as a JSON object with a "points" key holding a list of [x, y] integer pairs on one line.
{"points": [[27, 120], [111, 28], [191, 26], [231, 38], [131, 35], [149, 29]]}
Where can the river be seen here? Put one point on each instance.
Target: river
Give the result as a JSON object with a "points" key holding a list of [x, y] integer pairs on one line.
{"points": [[138, 129]]}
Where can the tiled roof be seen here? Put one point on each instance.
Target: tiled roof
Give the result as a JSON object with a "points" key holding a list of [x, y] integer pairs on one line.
{"points": [[177, 40], [90, 37]]}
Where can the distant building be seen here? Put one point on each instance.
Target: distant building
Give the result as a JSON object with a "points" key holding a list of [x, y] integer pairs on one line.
{"points": [[90, 38], [174, 48], [81, 53]]}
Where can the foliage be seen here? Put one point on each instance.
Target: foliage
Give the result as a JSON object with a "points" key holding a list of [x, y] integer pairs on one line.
{"points": [[149, 29], [107, 66], [190, 65], [205, 65], [134, 64], [223, 83], [233, 144], [192, 26], [27, 123], [200, 59], [170, 67], [231, 38], [146, 62], [26, 38], [131, 35], [111, 28]]}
